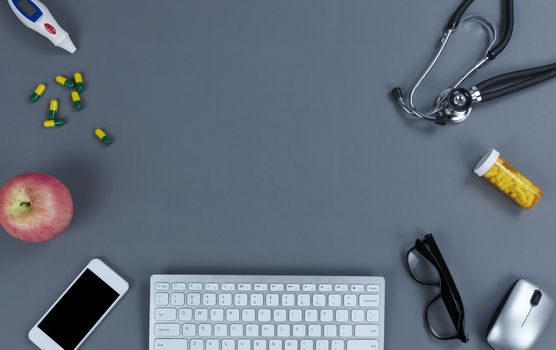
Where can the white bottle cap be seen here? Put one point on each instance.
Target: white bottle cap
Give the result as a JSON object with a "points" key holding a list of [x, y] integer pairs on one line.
{"points": [[486, 162], [67, 45]]}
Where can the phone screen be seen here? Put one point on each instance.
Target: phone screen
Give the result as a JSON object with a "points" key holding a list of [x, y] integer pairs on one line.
{"points": [[78, 311]]}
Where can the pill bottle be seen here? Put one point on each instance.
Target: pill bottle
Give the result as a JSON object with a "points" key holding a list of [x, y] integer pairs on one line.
{"points": [[495, 169]]}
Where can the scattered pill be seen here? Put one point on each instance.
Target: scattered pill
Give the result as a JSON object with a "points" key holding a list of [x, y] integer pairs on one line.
{"points": [[508, 179], [52, 123], [53, 109], [78, 79], [103, 136], [60, 79], [76, 100], [41, 88]]}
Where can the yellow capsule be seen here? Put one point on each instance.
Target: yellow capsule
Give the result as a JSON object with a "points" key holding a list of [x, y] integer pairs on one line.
{"points": [[76, 100], [103, 136], [52, 123], [78, 79], [60, 79], [41, 88], [53, 109]]}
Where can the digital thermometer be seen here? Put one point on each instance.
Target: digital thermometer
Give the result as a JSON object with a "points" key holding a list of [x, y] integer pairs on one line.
{"points": [[36, 16]]}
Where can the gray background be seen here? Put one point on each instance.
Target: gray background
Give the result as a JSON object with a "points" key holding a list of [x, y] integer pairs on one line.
{"points": [[256, 136]]}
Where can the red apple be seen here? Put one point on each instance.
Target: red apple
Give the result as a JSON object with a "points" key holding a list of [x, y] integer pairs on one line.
{"points": [[35, 207]]}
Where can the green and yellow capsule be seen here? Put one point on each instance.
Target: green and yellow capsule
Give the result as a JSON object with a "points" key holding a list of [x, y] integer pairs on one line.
{"points": [[60, 79], [76, 100], [53, 109], [52, 123], [41, 88], [78, 79], [103, 136]]}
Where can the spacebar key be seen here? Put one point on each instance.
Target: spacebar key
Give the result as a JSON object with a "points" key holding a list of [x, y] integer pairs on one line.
{"points": [[362, 345], [170, 344]]}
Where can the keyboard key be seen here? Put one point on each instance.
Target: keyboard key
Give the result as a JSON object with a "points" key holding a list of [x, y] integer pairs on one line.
{"points": [[295, 315], [375, 288], [311, 315], [185, 314], [188, 330], [259, 344], [220, 330], [162, 286], [315, 330], [330, 330], [283, 330], [167, 329], [357, 288], [346, 331], [232, 315], [337, 345], [342, 315], [275, 344], [299, 330], [290, 345], [240, 300], [193, 299], [325, 288], [292, 287], [170, 344], [205, 330], [309, 287], [322, 345], [248, 315], [244, 344], [288, 300], [228, 344], [209, 299], [303, 300], [362, 345], [212, 344], [263, 315], [306, 345], [276, 287], [341, 288], [326, 315], [334, 300], [178, 299], [369, 300], [178, 286], [267, 330], [224, 299], [161, 299], [228, 286], [272, 300], [280, 315], [217, 315], [195, 286], [252, 330], [366, 331], [201, 314], [350, 300], [319, 300], [261, 287], [165, 314], [256, 300], [236, 330], [211, 286], [357, 315], [373, 315], [244, 287], [197, 344]]}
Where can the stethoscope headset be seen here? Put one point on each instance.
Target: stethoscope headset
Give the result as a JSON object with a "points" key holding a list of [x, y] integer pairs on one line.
{"points": [[454, 104]]}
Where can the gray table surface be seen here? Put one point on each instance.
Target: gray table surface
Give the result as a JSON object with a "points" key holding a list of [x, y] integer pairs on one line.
{"points": [[259, 137]]}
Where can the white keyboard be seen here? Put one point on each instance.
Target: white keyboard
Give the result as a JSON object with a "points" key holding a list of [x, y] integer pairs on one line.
{"points": [[225, 312]]}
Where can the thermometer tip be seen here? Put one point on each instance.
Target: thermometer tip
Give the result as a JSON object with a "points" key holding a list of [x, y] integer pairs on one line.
{"points": [[67, 45]]}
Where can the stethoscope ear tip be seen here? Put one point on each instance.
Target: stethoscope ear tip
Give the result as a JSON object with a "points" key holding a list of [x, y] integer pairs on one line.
{"points": [[397, 93]]}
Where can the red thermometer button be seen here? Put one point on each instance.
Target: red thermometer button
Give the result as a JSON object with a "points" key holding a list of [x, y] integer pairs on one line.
{"points": [[50, 28]]}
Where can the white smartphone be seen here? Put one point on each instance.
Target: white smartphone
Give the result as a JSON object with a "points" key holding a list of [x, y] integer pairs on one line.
{"points": [[79, 310]]}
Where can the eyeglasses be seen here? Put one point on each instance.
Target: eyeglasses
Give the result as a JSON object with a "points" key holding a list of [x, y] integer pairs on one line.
{"points": [[444, 314]]}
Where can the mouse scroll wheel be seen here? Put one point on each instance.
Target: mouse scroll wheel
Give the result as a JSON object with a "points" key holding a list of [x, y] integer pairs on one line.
{"points": [[536, 298]]}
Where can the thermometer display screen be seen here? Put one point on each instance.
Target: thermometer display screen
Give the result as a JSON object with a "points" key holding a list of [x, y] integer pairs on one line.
{"points": [[27, 8]]}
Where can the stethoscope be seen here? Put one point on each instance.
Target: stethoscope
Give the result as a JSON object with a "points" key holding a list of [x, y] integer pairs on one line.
{"points": [[454, 104]]}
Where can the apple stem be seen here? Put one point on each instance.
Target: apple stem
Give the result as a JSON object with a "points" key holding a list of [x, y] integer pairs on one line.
{"points": [[25, 204]]}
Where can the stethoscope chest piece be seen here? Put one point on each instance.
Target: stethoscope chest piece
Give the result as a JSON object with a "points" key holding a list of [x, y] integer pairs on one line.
{"points": [[456, 106]]}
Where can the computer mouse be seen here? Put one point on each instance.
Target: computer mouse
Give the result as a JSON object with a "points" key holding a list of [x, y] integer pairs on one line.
{"points": [[520, 318]]}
